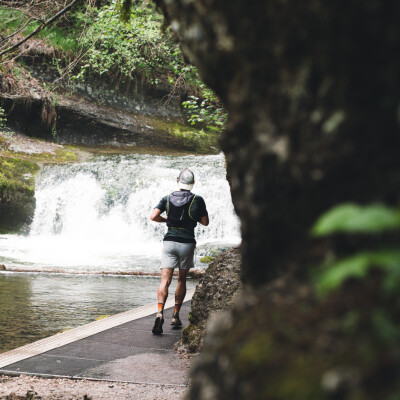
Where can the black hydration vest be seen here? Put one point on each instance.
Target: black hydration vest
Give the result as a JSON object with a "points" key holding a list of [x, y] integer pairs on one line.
{"points": [[178, 210]]}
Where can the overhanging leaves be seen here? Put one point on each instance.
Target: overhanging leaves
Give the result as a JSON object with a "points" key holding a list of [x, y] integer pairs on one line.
{"points": [[352, 218]]}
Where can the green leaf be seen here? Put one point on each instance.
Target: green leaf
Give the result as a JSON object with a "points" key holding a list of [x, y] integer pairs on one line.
{"points": [[352, 218], [357, 266], [386, 328]]}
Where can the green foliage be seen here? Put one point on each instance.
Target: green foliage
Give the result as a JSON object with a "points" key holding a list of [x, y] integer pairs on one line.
{"points": [[125, 50], [373, 219], [126, 42], [387, 329], [205, 110], [352, 218], [357, 266], [206, 259], [125, 8], [11, 19]]}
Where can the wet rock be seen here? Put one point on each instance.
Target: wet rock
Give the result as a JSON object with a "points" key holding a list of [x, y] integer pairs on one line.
{"points": [[17, 202], [212, 249]]}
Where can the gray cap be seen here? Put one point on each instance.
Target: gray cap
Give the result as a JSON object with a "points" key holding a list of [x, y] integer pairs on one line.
{"points": [[186, 179]]}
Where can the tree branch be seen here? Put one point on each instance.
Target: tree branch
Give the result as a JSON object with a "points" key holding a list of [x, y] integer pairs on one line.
{"points": [[20, 29], [40, 28]]}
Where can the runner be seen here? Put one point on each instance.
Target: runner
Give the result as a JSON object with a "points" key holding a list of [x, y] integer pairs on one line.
{"points": [[184, 210]]}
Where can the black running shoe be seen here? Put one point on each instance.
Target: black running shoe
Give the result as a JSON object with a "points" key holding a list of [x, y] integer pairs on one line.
{"points": [[158, 323]]}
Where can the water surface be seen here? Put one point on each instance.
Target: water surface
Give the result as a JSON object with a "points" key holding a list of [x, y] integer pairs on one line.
{"points": [[94, 216], [38, 305]]}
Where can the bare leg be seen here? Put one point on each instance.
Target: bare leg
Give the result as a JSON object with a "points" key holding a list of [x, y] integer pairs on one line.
{"points": [[162, 294], [166, 278], [179, 297], [180, 292]]}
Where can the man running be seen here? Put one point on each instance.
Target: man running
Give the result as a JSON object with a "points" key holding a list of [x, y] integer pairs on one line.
{"points": [[184, 209]]}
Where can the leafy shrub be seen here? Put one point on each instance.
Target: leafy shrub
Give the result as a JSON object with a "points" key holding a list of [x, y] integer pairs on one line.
{"points": [[367, 220], [139, 48], [357, 266], [352, 218], [106, 43], [206, 110], [127, 49]]}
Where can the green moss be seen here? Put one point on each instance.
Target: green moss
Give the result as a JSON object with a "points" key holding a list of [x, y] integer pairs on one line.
{"points": [[201, 141], [17, 181], [206, 259], [17, 203], [65, 155], [192, 337], [17, 185], [17, 174], [255, 351], [287, 374]]}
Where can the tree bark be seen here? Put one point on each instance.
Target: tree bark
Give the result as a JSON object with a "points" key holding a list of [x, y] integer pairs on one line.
{"points": [[312, 92]]}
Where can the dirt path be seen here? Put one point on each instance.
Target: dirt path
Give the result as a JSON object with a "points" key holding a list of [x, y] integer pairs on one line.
{"points": [[33, 388]]}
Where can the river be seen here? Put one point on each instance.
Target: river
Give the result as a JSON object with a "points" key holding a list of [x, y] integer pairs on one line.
{"points": [[93, 217]]}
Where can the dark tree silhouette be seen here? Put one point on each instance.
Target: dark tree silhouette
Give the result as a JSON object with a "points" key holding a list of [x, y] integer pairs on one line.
{"points": [[312, 91]]}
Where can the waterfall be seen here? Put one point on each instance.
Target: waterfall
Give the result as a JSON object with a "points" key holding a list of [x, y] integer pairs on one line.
{"points": [[95, 215]]}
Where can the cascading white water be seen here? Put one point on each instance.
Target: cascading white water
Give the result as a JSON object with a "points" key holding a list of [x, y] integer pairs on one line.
{"points": [[95, 215]]}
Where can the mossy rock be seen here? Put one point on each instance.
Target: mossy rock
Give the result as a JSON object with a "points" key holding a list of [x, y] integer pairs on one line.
{"points": [[201, 141], [206, 259], [17, 202], [218, 287], [283, 342]]}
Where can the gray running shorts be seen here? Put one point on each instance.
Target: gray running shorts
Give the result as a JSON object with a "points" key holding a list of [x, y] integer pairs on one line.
{"points": [[177, 255]]}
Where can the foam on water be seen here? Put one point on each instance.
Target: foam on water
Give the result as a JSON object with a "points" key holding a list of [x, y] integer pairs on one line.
{"points": [[94, 216]]}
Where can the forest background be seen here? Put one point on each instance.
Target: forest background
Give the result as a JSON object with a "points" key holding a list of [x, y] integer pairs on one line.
{"points": [[97, 40], [326, 207]]}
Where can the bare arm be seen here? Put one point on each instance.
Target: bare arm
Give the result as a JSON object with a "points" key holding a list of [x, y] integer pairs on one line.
{"points": [[156, 216], [204, 220]]}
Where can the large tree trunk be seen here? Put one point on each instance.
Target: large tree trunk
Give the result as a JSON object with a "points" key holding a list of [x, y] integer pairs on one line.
{"points": [[312, 91]]}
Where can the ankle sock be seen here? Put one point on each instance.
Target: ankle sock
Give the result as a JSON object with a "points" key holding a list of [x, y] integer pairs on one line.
{"points": [[160, 308], [177, 308]]}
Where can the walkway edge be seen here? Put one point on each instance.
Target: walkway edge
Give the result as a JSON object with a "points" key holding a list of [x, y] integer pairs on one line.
{"points": [[81, 332]]}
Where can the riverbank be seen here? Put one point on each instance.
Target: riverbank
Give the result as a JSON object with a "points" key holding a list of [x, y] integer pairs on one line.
{"points": [[20, 160]]}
